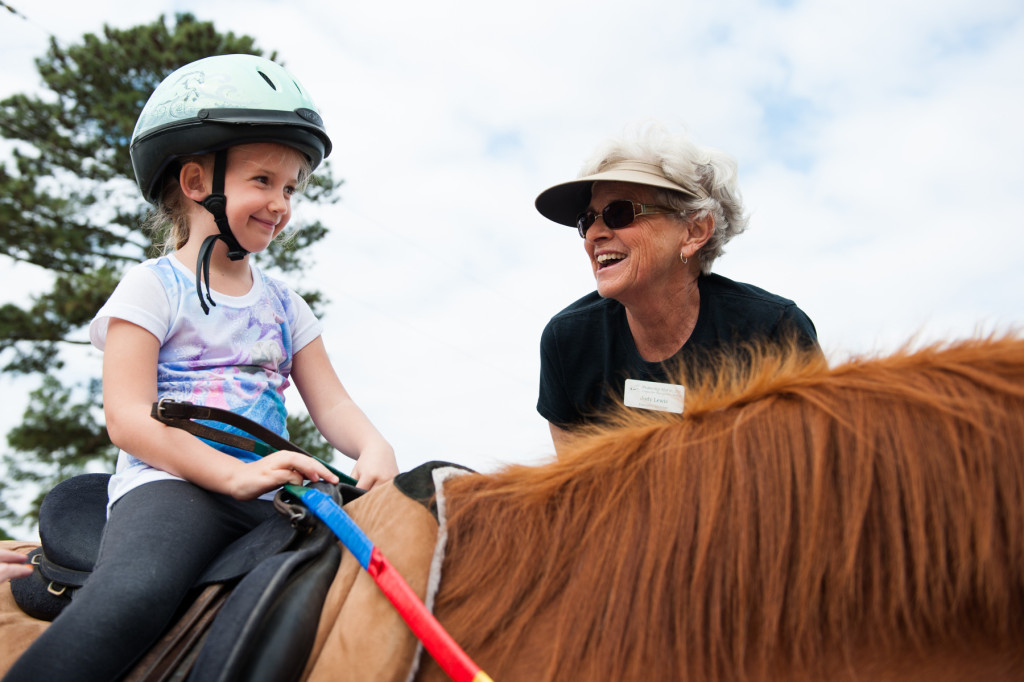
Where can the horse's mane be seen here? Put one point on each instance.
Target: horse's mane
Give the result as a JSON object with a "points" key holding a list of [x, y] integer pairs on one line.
{"points": [[793, 512]]}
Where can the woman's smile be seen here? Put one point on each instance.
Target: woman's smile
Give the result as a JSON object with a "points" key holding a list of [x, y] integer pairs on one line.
{"points": [[608, 259]]}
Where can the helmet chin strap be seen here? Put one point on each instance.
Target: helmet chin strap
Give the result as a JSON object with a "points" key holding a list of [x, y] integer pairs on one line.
{"points": [[216, 203]]}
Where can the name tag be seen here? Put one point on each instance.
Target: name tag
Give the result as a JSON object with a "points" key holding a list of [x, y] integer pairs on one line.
{"points": [[650, 395]]}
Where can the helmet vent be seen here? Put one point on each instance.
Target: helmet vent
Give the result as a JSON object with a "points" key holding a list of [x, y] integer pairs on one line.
{"points": [[267, 78]]}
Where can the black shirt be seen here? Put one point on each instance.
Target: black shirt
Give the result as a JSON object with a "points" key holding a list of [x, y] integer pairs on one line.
{"points": [[587, 351]]}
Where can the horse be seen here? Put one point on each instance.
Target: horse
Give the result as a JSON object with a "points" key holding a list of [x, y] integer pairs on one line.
{"points": [[796, 522]]}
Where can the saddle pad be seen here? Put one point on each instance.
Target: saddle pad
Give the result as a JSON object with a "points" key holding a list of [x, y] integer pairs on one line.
{"points": [[361, 636]]}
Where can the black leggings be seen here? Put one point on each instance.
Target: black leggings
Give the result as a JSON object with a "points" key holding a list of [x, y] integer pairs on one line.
{"points": [[158, 539]]}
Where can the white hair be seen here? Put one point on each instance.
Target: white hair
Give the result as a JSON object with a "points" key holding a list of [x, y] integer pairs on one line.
{"points": [[710, 173]]}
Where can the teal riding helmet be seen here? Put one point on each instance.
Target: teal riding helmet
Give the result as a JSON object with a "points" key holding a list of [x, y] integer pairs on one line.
{"points": [[219, 102]]}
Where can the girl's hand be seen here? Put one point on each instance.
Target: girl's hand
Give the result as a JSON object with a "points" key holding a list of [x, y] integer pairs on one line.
{"points": [[12, 565], [339, 419], [376, 464], [252, 479]]}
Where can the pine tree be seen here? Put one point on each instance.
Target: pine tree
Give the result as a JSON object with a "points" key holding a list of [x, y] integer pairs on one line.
{"points": [[69, 206]]}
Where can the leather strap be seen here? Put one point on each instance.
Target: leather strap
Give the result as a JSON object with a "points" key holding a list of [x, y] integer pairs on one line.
{"points": [[180, 414], [57, 574]]}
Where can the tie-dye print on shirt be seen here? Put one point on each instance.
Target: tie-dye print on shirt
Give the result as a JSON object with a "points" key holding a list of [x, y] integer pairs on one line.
{"points": [[236, 358]]}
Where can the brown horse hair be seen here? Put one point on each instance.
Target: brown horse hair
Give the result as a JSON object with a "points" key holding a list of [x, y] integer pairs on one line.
{"points": [[794, 514]]}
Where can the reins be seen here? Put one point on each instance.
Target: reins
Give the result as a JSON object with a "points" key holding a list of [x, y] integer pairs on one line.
{"points": [[445, 650], [436, 640]]}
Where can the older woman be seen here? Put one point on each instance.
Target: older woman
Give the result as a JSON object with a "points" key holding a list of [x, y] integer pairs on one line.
{"points": [[654, 211]]}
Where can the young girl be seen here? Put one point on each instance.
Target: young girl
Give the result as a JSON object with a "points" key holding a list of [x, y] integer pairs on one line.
{"points": [[220, 147]]}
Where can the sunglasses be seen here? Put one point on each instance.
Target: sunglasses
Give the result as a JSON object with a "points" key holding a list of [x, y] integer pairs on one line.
{"points": [[618, 214]]}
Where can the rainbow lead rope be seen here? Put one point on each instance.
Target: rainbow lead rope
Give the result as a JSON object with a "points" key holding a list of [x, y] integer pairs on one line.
{"points": [[445, 650]]}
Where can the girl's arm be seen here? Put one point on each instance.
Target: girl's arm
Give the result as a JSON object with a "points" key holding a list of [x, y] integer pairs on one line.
{"points": [[339, 419], [129, 391]]}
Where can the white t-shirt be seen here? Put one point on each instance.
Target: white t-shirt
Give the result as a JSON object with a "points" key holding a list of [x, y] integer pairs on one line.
{"points": [[237, 358]]}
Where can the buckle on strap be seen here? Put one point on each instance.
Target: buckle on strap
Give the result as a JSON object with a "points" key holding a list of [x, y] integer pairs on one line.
{"points": [[168, 410]]}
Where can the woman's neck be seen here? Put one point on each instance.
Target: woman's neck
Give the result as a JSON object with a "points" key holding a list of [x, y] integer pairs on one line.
{"points": [[661, 324]]}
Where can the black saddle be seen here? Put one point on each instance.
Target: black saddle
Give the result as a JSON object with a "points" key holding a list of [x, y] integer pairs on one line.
{"points": [[255, 608]]}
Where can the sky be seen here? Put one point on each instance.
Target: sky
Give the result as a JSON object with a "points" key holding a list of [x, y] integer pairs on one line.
{"points": [[880, 151]]}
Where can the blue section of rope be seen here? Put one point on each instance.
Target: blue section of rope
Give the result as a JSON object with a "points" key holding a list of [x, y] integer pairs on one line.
{"points": [[338, 521]]}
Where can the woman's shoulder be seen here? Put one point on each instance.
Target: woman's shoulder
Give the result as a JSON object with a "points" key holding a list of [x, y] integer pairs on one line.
{"points": [[588, 317], [590, 304], [717, 285], [733, 308]]}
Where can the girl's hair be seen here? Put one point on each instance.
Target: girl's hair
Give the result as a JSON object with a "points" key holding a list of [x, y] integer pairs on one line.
{"points": [[710, 172], [169, 221]]}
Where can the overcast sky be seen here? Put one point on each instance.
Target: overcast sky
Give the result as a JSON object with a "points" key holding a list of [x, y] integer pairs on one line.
{"points": [[880, 147]]}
